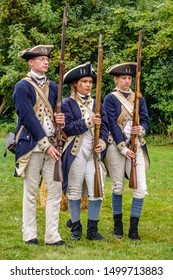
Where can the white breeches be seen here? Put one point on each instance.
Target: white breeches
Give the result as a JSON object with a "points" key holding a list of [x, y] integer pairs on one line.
{"points": [[40, 163], [117, 164], [82, 170]]}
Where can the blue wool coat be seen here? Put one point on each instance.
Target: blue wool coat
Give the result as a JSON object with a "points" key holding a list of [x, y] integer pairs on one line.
{"points": [[75, 125], [24, 98], [112, 107]]}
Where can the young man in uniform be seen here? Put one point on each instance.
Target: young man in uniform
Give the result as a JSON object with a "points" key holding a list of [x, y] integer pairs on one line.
{"points": [[119, 108], [35, 98]]}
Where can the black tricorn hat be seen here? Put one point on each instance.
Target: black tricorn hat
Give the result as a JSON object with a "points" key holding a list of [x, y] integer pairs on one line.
{"points": [[40, 50], [81, 71], [128, 68]]}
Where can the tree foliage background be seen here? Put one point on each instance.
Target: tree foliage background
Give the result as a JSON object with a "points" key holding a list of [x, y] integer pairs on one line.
{"points": [[25, 23]]}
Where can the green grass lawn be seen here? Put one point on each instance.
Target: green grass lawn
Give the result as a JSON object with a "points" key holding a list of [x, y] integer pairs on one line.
{"points": [[155, 228]]}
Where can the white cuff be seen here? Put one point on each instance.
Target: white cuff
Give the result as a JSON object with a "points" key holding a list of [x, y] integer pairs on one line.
{"points": [[142, 131], [103, 144], [124, 151], [44, 144]]}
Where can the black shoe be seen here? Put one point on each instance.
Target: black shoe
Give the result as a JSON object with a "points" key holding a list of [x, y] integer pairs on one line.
{"points": [[92, 231], [96, 236], [133, 231], [74, 237], [33, 241], [134, 236], [118, 226], [117, 234], [58, 243], [76, 231]]}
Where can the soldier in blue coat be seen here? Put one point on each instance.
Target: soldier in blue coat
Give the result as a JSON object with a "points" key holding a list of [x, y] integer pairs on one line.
{"points": [[78, 163], [35, 99], [119, 108]]}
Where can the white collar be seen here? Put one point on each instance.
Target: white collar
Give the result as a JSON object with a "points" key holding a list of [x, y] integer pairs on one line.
{"points": [[37, 75], [83, 96], [122, 91]]}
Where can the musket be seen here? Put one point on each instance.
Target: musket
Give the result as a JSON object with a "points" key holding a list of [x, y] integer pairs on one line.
{"points": [[58, 174], [135, 120], [98, 191]]}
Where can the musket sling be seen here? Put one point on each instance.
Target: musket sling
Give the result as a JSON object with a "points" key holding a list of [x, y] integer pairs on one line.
{"points": [[70, 139], [43, 99], [128, 107], [41, 94]]}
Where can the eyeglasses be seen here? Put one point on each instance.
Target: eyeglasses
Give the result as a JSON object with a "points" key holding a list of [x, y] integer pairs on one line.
{"points": [[43, 59]]}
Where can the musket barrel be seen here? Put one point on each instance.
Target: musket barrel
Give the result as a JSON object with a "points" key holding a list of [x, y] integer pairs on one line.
{"points": [[58, 174], [98, 192], [135, 119]]}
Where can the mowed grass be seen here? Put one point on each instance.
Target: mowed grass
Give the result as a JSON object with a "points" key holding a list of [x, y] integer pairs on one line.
{"points": [[155, 227]]}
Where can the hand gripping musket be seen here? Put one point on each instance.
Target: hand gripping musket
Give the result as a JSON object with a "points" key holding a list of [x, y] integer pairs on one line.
{"points": [[98, 191], [58, 175], [134, 137]]}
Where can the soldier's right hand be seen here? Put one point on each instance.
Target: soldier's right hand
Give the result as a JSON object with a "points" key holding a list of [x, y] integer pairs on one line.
{"points": [[130, 154], [52, 151], [97, 119]]}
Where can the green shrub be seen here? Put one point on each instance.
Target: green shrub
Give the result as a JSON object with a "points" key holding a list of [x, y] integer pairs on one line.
{"points": [[6, 127], [159, 140]]}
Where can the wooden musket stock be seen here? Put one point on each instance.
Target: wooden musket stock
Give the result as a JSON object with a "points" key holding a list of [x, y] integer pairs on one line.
{"points": [[58, 174], [134, 137], [98, 191]]}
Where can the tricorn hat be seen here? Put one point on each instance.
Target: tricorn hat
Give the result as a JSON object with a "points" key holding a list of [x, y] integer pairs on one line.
{"points": [[128, 68], [40, 50], [81, 71]]}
